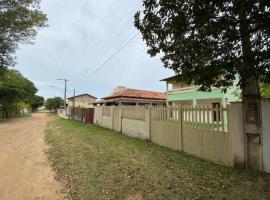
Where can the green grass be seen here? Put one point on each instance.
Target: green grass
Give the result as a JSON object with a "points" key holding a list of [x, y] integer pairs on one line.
{"points": [[97, 163]]}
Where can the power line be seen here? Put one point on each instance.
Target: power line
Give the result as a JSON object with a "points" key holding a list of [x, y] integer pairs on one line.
{"points": [[120, 49], [112, 56], [115, 38], [114, 33]]}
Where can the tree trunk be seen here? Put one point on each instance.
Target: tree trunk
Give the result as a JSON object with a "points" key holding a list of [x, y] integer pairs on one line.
{"points": [[251, 98]]}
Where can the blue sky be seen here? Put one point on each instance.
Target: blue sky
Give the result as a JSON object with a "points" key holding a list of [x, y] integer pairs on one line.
{"points": [[80, 38]]}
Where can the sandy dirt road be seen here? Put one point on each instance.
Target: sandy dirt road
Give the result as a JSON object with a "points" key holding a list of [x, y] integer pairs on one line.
{"points": [[25, 172]]}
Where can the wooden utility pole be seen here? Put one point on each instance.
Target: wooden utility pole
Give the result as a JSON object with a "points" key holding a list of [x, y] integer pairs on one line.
{"points": [[65, 93], [73, 103], [74, 99]]}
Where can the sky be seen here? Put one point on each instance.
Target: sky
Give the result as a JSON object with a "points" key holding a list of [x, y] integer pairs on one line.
{"points": [[93, 44]]}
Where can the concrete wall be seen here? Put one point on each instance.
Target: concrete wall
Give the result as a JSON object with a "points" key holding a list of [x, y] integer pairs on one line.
{"points": [[131, 127], [266, 134], [106, 122], [237, 140], [237, 134], [135, 128], [98, 115]]}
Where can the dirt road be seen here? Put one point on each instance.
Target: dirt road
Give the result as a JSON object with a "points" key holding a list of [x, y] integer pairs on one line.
{"points": [[25, 172]]}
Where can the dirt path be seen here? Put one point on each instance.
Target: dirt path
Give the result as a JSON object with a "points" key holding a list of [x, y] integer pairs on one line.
{"points": [[25, 172]]}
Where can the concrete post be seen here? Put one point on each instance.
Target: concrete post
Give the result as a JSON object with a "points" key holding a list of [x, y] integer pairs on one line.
{"points": [[112, 116], [167, 90], [266, 134], [148, 121], [237, 135], [120, 118]]}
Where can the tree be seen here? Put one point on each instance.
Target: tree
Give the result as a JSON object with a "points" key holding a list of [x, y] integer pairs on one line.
{"points": [[19, 22], [54, 103], [36, 102], [204, 39], [15, 88], [209, 42], [15, 92]]}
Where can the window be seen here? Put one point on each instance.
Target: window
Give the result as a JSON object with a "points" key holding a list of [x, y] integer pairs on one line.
{"points": [[216, 113]]}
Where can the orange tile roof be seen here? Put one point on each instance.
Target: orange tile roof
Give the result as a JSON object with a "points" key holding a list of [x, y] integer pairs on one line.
{"points": [[134, 93]]}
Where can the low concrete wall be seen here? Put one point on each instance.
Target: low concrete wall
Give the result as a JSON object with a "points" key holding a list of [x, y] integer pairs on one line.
{"points": [[136, 128], [106, 122], [266, 134], [98, 115], [238, 136]]}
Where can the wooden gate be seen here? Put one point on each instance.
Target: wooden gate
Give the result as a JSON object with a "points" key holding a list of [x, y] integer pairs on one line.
{"points": [[90, 116]]}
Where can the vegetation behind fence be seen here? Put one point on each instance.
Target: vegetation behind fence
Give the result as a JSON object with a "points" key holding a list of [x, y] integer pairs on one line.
{"points": [[9, 114]]}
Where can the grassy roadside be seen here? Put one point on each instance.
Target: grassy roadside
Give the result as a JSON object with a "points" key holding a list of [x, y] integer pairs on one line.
{"points": [[96, 163]]}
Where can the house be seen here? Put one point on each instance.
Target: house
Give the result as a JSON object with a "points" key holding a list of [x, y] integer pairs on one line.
{"points": [[181, 93], [82, 101], [127, 96]]}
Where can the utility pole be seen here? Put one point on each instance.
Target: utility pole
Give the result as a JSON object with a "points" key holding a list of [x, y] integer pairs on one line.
{"points": [[73, 103], [74, 99], [65, 93]]}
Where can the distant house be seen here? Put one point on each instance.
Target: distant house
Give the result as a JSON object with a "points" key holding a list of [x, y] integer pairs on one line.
{"points": [[127, 96], [82, 101], [181, 93]]}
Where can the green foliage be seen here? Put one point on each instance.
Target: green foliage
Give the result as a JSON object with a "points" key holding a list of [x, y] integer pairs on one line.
{"points": [[265, 90], [15, 88], [206, 39], [36, 102], [54, 103], [19, 22]]}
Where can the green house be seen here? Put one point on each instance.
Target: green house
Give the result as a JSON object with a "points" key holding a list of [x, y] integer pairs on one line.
{"points": [[179, 93]]}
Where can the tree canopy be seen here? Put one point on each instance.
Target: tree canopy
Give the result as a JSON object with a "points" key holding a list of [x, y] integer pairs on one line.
{"points": [[36, 102], [19, 22], [54, 103], [15, 88], [206, 39]]}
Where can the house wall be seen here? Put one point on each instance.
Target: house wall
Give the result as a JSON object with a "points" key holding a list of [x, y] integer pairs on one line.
{"points": [[208, 102], [233, 93], [84, 101], [182, 103], [266, 134], [216, 93]]}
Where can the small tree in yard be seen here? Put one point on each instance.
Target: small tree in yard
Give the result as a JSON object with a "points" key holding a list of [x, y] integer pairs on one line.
{"points": [[206, 39]]}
